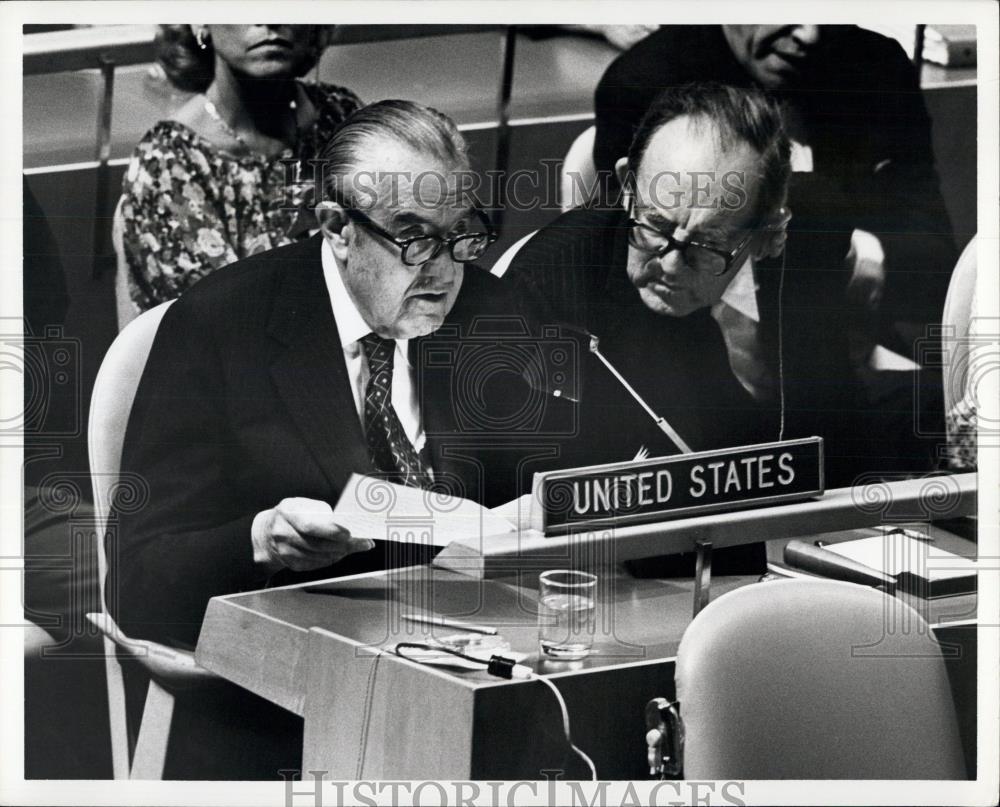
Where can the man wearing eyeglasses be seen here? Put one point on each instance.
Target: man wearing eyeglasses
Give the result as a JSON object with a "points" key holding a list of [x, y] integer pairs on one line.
{"points": [[269, 386], [861, 149], [277, 378], [687, 283]]}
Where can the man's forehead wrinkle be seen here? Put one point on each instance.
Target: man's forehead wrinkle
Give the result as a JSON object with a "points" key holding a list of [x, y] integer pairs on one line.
{"points": [[689, 167], [387, 168], [703, 223], [437, 218], [408, 217]]}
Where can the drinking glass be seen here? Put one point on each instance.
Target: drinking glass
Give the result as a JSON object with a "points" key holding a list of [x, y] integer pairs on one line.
{"points": [[566, 614]]}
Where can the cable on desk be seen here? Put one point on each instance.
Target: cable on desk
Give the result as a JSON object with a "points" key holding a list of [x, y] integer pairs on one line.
{"points": [[781, 347], [366, 715], [503, 667], [565, 717], [500, 666]]}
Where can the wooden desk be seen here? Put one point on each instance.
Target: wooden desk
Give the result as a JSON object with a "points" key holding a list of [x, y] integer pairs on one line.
{"points": [[317, 650]]}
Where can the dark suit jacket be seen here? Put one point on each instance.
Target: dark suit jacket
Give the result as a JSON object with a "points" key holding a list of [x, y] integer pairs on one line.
{"points": [[859, 107], [245, 401], [574, 271]]}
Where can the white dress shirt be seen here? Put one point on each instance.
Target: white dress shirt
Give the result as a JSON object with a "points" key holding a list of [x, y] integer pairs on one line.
{"points": [[801, 157], [352, 328], [739, 319]]}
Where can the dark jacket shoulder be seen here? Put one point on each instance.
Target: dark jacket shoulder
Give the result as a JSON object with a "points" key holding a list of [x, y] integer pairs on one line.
{"points": [[245, 291], [675, 54], [564, 272]]}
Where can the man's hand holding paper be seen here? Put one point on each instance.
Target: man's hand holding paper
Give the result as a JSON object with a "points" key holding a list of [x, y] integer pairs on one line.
{"points": [[302, 534], [376, 508]]}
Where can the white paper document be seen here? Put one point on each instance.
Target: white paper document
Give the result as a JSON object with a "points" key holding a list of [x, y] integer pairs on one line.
{"points": [[374, 508], [897, 553]]}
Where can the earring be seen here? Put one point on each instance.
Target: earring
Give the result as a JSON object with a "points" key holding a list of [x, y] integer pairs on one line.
{"points": [[202, 38]]}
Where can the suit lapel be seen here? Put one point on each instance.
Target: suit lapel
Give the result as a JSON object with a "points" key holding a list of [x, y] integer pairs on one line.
{"points": [[309, 370]]}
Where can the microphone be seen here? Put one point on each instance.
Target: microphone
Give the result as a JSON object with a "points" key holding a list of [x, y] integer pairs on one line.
{"points": [[664, 426], [558, 377]]}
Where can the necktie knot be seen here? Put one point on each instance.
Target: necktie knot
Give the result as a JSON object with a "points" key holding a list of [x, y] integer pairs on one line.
{"points": [[378, 352]]}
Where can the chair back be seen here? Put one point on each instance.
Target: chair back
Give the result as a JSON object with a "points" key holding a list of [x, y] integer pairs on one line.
{"points": [[815, 679], [110, 406], [958, 325], [125, 308], [578, 176]]}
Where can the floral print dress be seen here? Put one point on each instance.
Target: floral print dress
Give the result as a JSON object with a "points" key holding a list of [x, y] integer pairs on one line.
{"points": [[189, 209]]}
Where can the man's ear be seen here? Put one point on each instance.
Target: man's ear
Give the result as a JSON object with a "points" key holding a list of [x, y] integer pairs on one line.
{"points": [[334, 224], [774, 233], [621, 171]]}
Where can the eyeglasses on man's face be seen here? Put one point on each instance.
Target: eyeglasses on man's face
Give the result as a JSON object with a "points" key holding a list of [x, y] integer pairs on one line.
{"points": [[464, 247], [701, 257]]}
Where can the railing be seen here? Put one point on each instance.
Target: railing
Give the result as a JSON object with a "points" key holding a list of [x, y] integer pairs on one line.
{"points": [[106, 48]]}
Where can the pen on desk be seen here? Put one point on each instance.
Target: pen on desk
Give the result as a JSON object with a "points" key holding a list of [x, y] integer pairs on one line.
{"points": [[444, 622]]}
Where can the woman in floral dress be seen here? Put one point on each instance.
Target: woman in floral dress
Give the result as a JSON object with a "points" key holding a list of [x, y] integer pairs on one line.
{"points": [[228, 175]]}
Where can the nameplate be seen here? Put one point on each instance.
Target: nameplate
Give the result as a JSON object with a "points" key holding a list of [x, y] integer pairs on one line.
{"points": [[663, 488]]}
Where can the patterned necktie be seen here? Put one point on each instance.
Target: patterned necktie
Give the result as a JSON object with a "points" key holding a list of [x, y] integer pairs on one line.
{"points": [[391, 450]]}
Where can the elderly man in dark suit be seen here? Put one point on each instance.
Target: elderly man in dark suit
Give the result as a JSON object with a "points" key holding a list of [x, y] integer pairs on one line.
{"points": [[727, 331], [271, 383], [861, 142]]}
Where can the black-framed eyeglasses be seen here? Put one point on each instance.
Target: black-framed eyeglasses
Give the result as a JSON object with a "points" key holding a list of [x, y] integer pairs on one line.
{"points": [[700, 257], [464, 247]]}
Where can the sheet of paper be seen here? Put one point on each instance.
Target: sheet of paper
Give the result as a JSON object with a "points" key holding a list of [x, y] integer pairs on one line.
{"points": [[896, 553], [517, 511], [374, 508]]}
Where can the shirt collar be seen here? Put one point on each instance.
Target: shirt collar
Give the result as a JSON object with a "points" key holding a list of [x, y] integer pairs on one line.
{"points": [[350, 324], [741, 293]]}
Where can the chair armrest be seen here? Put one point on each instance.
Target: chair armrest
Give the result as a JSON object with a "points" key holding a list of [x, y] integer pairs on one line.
{"points": [[36, 639], [168, 665]]}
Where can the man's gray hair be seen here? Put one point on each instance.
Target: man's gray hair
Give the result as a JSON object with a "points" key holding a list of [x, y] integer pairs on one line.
{"points": [[741, 115], [419, 127]]}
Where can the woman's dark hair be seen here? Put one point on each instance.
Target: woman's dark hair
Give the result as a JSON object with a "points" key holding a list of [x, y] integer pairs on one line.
{"points": [[191, 67], [187, 66]]}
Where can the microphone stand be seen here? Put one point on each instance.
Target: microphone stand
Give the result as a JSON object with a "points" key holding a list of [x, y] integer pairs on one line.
{"points": [[665, 427], [703, 547]]}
